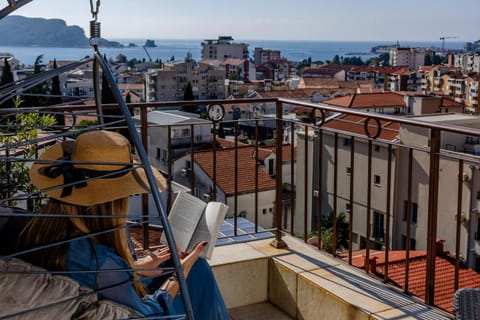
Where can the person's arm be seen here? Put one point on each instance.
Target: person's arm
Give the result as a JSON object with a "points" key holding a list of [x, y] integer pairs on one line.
{"points": [[117, 286], [153, 260], [171, 285]]}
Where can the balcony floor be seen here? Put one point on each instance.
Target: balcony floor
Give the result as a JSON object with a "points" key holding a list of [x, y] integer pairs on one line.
{"points": [[258, 311], [258, 281]]}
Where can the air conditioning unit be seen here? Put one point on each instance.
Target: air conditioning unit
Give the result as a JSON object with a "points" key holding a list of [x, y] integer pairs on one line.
{"points": [[184, 172], [207, 197]]}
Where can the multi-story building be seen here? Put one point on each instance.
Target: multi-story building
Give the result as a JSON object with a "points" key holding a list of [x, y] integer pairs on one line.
{"points": [[180, 135], [468, 62], [224, 48], [262, 56], [168, 83], [237, 69], [472, 84], [407, 57]]}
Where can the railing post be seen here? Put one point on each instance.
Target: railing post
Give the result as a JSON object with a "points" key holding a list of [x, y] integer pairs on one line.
{"points": [[144, 136], [432, 214], [278, 242]]}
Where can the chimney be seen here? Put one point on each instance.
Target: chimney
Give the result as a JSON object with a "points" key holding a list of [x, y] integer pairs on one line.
{"points": [[439, 247]]}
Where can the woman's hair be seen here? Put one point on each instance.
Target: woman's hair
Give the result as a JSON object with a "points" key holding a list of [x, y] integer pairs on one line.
{"points": [[42, 231]]}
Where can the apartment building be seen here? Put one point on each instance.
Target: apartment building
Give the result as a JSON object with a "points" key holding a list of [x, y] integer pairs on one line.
{"points": [[406, 57], [448, 188], [467, 62], [180, 135], [262, 56], [333, 167], [168, 83], [224, 48]]}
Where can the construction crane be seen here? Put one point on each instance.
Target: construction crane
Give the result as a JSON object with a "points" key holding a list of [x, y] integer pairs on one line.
{"points": [[443, 41]]}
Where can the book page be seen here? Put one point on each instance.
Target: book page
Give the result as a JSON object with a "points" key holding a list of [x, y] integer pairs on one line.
{"points": [[184, 215], [208, 227]]}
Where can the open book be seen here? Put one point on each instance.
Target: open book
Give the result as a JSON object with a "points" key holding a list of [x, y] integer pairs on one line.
{"points": [[192, 220]]}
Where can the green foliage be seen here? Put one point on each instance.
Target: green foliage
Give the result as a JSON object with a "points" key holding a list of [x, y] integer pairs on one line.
{"points": [[342, 231], [15, 175], [121, 58]]}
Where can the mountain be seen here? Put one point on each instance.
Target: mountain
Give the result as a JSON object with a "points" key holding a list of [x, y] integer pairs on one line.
{"points": [[23, 31]]}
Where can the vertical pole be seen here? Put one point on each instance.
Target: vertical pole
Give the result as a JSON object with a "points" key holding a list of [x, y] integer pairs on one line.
{"points": [[459, 222], [151, 181], [432, 214], [278, 242], [146, 238]]}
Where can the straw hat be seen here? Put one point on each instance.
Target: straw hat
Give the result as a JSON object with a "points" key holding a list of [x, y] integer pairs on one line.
{"points": [[98, 167]]}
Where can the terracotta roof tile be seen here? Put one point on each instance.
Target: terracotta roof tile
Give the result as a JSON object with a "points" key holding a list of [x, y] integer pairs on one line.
{"points": [[444, 274], [355, 124], [369, 100], [226, 171]]}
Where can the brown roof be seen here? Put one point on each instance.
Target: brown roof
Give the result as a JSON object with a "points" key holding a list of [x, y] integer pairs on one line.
{"points": [[369, 100], [355, 124], [444, 274], [226, 170]]}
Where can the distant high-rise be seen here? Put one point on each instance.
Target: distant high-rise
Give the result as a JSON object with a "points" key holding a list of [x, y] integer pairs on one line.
{"points": [[224, 48]]}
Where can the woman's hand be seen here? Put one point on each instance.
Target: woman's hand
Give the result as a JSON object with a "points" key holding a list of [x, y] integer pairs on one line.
{"points": [[153, 260]]}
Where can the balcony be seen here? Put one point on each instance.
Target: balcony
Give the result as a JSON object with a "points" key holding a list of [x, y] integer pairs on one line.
{"points": [[309, 181]]}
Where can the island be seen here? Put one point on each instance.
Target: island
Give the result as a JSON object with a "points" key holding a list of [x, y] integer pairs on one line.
{"points": [[40, 32]]}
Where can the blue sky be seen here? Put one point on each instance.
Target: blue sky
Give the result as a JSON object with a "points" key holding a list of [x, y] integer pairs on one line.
{"points": [[414, 20]]}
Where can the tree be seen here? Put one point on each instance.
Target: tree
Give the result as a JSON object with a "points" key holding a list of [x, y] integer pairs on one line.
{"points": [[336, 59], [56, 98], [35, 99], [342, 230], [188, 96], [121, 58], [113, 114], [7, 77], [14, 176]]}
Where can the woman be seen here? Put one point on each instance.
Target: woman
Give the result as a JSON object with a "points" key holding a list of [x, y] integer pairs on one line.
{"points": [[89, 180]]}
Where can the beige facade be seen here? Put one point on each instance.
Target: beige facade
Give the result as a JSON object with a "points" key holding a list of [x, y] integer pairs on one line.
{"points": [[168, 83], [309, 196], [448, 188], [409, 57], [224, 48]]}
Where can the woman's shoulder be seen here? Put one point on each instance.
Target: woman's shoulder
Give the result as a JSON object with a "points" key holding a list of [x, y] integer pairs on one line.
{"points": [[93, 252]]}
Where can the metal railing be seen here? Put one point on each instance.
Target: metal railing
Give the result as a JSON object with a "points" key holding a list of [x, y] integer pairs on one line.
{"points": [[322, 168]]}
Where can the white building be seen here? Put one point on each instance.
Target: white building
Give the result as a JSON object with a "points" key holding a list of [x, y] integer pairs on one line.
{"points": [[180, 126], [224, 48], [409, 57]]}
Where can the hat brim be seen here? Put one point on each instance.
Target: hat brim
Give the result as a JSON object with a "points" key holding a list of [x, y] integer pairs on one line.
{"points": [[98, 190]]}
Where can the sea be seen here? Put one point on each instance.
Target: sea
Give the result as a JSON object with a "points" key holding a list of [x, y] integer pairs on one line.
{"points": [[178, 49]]}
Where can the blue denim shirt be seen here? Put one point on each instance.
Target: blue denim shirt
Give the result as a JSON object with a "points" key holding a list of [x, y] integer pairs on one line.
{"points": [[85, 255]]}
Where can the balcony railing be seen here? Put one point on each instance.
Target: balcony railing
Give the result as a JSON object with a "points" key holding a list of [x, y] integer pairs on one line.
{"points": [[307, 163]]}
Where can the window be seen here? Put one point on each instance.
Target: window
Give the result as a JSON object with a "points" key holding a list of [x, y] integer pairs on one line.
{"points": [[188, 164], [347, 142], [158, 154], [378, 230], [477, 234], [348, 170], [376, 179], [404, 243], [348, 207], [414, 209], [377, 147], [164, 155], [271, 167], [264, 211]]}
